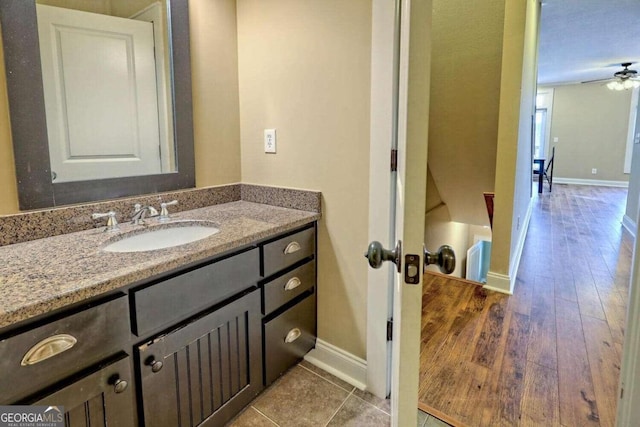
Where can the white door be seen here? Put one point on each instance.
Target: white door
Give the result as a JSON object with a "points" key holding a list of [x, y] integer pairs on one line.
{"points": [[407, 122], [99, 81], [628, 411]]}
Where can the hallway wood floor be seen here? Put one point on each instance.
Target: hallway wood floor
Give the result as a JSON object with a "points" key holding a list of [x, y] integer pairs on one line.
{"points": [[550, 354]]}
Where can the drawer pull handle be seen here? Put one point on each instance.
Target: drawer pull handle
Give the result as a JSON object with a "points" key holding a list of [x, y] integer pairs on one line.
{"points": [[47, 348], [292, 247], [293, 335], [293, 283]]}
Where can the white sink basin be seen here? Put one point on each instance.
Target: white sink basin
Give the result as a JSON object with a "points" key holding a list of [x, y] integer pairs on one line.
{"points": [[162, 238]]}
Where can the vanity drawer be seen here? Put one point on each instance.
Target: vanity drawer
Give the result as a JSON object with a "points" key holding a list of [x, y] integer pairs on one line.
{"points": [[89, 336], [173, 299], [289, 337], [288, 250], [288, 286]]}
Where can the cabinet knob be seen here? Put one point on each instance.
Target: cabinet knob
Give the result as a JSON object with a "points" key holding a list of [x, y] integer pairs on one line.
{"points": [[156, 365], [120, 385]]}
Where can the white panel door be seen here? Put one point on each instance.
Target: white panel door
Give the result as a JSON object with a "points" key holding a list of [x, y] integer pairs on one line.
{"points": [[402, 114], [100, 94], [411, 184]]}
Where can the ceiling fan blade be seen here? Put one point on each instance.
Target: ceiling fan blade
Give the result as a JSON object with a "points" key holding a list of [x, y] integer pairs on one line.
{"points": [[597, 80]]}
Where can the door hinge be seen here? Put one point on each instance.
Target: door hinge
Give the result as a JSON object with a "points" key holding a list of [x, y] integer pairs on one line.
{"points": [[389, 329], [394, 160]]}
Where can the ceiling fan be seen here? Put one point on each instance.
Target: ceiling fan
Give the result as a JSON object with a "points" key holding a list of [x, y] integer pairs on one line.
{"points": [[621, 80]]}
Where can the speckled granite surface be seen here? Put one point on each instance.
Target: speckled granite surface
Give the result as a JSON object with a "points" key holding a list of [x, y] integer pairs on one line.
{"points": [[32, 225], [42, 275], [283, 197]]}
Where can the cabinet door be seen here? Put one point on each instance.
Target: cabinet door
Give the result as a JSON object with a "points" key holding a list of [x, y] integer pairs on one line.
{"points": [[103, 398], [204, 372]]}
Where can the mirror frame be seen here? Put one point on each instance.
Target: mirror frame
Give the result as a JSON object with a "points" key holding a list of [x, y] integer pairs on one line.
{"points": [[18, 20]]}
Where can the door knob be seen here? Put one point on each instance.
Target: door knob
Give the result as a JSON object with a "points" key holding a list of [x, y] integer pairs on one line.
{"points": [[445, 258], [376, 255]]}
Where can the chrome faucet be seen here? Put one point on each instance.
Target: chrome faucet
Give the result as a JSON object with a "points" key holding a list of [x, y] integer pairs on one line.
{"points": [[164, 212], [140, 212], [112, 222]]}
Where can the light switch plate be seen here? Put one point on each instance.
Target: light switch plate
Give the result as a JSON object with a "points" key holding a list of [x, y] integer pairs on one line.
{"points": [[270, 141]]}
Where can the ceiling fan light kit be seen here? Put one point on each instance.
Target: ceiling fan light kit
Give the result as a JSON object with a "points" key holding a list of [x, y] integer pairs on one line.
{"points": [[623, 84], [624, 79]]}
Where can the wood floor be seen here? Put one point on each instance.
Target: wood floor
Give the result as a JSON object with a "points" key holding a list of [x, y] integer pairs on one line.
{"points": [[550, 354]]}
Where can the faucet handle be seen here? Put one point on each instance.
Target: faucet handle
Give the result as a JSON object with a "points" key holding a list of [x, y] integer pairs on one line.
{"points": [[112, 222], [164, 212]]}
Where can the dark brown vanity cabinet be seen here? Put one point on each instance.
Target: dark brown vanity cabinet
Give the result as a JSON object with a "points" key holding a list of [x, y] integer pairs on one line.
{"points": [[99, 399], [75, 361], [192, 347], [206, 371], [288, 301]]}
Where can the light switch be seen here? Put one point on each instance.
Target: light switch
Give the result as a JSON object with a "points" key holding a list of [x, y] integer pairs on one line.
{"points": [[555, 139]]}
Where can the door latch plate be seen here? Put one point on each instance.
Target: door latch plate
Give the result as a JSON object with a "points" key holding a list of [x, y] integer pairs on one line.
{"points": [[412, 269]]}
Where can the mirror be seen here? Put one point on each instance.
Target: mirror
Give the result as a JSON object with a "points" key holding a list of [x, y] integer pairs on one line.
{"points": [[107, 91], [31, 112]]}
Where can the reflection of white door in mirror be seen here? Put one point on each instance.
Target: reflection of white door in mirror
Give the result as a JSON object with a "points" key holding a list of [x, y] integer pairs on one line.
{"points": [[156, 14], [99, 79]]}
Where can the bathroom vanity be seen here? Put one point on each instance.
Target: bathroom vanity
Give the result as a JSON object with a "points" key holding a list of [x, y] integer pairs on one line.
{"points": [[179, 336]]}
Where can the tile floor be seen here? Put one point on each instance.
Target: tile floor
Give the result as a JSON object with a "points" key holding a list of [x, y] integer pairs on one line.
{"points": [[309, 396]]}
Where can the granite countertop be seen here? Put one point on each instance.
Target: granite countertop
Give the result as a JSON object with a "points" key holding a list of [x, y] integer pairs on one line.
{"points": [[42, 275]]}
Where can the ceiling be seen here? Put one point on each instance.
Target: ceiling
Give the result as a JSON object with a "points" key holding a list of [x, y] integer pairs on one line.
{"points": [[584, 40]]}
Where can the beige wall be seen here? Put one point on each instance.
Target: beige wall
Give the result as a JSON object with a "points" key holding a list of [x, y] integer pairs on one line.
{"points": [[305, 70], [513, 163], [126, 8], [122, 8], [465, 88], [479, 136], [591, 124], [216, 110], [633, 195], [97, 6]]}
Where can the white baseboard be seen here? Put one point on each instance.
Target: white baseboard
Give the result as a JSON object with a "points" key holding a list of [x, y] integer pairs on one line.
{"points": [[522, 236], [340, 363], [598, 182], [630, 225], [498, 282], [506, 283]]}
